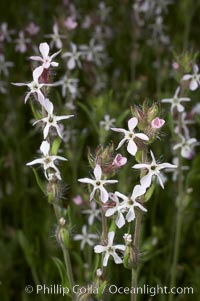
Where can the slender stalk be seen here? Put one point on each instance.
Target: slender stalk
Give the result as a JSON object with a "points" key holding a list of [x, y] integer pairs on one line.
{"points": [[179, 218], [104, 236], [134, 271], [138, 220], [65, 253]]}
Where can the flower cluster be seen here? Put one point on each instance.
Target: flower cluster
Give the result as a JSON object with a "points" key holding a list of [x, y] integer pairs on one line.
{"points": [[122, 207], [49, 120]]}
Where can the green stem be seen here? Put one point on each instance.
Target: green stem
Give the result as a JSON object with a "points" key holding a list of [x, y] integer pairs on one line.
{"points": [[137, 231], [179, 219], [65, 253]]}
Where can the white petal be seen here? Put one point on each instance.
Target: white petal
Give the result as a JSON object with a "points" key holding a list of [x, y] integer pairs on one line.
{"points": [[132, 147], [160, 181], [48, 105], [117, 259], [103, 195], [140, 206], [142, 136], [195, 68], [118, 130], [138, 190], [167, 100], [45, 147], [71, 63], [146, 180], [132, 123], [44, 49], [58, 118], [193, 85], [59, 158], [187, 77], [46, 130], [180, 108], [110, 211], [105, 260], [111, 236], [36, 161], [130, 215], [122, 196], [140, 166], [37, 73], [166, 165], [153, 158], [97, 172], [121, 143], [120, 220], [99, 249], [86, 180]]}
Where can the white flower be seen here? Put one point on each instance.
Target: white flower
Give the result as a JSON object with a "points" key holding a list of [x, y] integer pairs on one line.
{"points": [[46, 60], [107, 122], [93, 213], [110, 250], [98, 184], [186, 146], [5, 34], [73, 57], [92, 52], [184, 123], [153, 169], [85, 238], [21, 42], [130, 136], [176, 101], [4, 65], [130, 203], [117, 208], [34, 86], [70, 84], [47, 160], [51, 120], [193, 78], [56, 37]]}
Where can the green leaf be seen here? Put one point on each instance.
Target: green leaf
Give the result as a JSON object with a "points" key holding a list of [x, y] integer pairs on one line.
{"points": [[36, 114], [40, 183], [149, 192], [55, 146], [62, 271]]}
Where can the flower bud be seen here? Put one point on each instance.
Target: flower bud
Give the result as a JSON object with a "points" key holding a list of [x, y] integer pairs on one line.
{"points": [[157, 123], [62, 233], [119, 161]]}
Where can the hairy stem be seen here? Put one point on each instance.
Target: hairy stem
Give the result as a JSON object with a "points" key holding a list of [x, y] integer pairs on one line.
{"points": [[179, 218], [65, 253], [138, 220]]}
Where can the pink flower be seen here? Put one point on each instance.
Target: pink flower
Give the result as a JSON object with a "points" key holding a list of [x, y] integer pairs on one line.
{"points": [[78, 200], [32, 29], [119, 161], [175, 65], [70, 23], [157, 123]]}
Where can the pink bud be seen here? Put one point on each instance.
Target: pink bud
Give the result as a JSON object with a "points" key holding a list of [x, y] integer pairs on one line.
{"points": [[175, 65], [70, 23], [157, 123], [78, 200], [119, 160]]}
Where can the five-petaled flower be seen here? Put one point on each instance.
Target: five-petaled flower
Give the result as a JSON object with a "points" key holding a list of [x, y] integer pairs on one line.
{"points": [[176, 101], [34, 86], [98, 184], [46, 60], [193, 78], [94, 213], [186, 146], [47, 160], [129, 203], [51, 120], [153, 169], [86, 238], [73, 57], [110, 250], [130, 136]]}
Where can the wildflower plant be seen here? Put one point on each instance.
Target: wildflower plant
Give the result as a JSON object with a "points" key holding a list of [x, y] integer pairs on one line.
{"points": [[100, 168]]}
